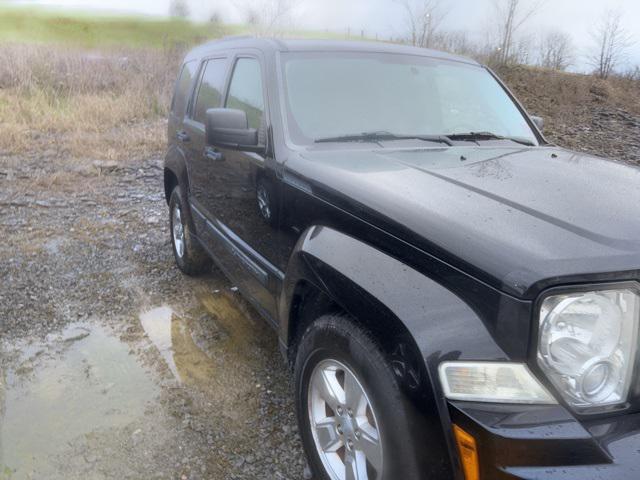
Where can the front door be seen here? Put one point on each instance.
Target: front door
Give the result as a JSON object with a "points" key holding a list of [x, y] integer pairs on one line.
{"points": [[245, 200]]}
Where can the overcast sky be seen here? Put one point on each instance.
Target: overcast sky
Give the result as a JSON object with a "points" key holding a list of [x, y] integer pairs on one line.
{"points": [[385, 17]]}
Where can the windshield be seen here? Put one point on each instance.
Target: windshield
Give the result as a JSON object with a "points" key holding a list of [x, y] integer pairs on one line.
{"points": [[340, 94]]}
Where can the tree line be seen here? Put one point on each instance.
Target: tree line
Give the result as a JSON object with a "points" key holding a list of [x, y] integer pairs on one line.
{"points": [[505, 41]]}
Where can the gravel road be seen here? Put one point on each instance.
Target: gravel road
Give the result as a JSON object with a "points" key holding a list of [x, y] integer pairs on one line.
{"points": [[112, 363]]}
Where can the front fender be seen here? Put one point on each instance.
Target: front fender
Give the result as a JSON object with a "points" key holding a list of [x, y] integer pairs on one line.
{"points": [[442, 324], [368, 283]]}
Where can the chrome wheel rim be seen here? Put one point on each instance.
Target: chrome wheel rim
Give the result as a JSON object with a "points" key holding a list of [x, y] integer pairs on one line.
{"points": [[343, 424], [178, 231], [263, 202]]}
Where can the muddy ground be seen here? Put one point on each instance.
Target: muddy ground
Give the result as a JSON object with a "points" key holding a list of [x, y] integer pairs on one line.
{"points": [[112, 363], [115, 365]]}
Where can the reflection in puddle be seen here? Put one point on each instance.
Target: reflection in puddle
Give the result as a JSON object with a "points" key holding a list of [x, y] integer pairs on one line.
{"points": [[174, 339], [157, 326], [214, 348], [83, 381]]}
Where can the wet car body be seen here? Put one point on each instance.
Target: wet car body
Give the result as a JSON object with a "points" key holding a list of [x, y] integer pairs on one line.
{"points": [[444, 253]]}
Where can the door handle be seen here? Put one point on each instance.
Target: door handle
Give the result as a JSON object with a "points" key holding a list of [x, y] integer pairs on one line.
{"points": [[183, 136], [213, 155]]}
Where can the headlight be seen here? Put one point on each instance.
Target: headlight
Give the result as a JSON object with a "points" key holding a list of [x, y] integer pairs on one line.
{"points": [[587, 345], [500, 382]]}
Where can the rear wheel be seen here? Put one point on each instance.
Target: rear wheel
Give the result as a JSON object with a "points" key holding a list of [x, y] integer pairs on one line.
{"points": [[354, 420], [190, 257]]}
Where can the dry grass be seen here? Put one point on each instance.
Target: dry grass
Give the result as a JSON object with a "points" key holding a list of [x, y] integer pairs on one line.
{"points": [[558, 95], [113, 104], [84, 104]]}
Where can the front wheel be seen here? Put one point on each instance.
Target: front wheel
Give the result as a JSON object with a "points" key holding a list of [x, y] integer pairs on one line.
{"points": [[354, 420]]}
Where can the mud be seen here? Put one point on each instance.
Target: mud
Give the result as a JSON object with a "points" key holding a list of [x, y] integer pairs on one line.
{"points": [[112, 363]]}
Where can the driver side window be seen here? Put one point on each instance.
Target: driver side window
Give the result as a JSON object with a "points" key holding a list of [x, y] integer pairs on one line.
{"points": [[246, 91], [211, 85]]}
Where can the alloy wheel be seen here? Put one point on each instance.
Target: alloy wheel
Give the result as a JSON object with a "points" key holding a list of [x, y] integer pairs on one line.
{"points": [[343, 424], [178, 231]]}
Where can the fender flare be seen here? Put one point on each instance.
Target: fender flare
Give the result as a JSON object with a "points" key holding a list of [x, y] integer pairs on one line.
{"points": [[176, 163], [362, 279]]}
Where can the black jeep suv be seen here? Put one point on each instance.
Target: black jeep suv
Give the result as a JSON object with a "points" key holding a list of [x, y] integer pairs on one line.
{"points": [[457, 298]]}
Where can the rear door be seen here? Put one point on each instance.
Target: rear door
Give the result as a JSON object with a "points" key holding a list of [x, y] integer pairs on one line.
{"points": [[181, 95], [208, 94]]}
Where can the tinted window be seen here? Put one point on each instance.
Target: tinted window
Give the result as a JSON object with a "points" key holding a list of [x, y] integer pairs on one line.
{"points": [[180, 97], [210, 91], [245, 91]]}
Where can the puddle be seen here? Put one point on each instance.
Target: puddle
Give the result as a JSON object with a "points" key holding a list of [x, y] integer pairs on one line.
{"points": [[174, 339], [79, 382], [157, 324], [82, 404], [214, 348]]}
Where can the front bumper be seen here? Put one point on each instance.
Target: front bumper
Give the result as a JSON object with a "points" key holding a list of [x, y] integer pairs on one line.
{"points": [[545, 442]]}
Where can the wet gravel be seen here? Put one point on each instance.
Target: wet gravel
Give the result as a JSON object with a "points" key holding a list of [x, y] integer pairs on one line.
{"points": [[86, 243]]}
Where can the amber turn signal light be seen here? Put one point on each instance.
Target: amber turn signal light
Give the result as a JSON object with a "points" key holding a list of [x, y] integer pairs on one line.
{"points": [[468, 453]]}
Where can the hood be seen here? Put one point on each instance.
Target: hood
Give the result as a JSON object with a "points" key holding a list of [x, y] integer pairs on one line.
{"points": [[514, 216]]}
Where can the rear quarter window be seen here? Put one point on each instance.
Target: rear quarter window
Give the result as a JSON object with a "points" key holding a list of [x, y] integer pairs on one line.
{"points": [[181, 95]]}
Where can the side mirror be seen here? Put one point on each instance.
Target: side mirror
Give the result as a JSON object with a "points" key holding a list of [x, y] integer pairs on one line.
{"points": [[539, 121], [228, 127]]}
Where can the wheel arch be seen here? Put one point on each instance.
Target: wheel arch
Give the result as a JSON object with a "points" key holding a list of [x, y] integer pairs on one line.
{"points": [[332, 272], [175, 172]]}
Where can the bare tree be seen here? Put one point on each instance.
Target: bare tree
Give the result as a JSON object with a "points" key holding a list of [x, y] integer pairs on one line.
{"points": [[179, 8], [423, 18], [523, 49], [511, 16], [454, 41], [556, 50], [632, 74], [267, 17], [611, 43]]}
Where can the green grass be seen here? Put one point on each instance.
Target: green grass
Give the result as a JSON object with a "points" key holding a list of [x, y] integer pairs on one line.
{"points": [[88, 30], [34, 25]]}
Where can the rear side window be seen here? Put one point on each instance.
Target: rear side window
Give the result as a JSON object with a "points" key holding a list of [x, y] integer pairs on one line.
{"points": [[210, 91], [245, 91], [180, 97]]}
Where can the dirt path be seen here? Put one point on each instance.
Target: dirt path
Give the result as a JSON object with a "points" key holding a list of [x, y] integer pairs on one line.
{"points": [[112, 363]]}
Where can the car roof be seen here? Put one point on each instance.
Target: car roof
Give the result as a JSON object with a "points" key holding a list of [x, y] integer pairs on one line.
{"points": [[308, 45]]}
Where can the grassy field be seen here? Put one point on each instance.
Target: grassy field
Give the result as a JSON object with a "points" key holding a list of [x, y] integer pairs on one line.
{"points": [[33, 25], [89, 87], [85, 87]]}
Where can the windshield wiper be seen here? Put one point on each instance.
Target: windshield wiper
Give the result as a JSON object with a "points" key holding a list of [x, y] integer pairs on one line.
{"points": [[473, 136], [383, 136]]}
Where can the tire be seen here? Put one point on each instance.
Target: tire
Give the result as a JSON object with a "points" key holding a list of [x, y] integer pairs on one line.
{"points": [[190, 257], [334, 341], [266, 202]]}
